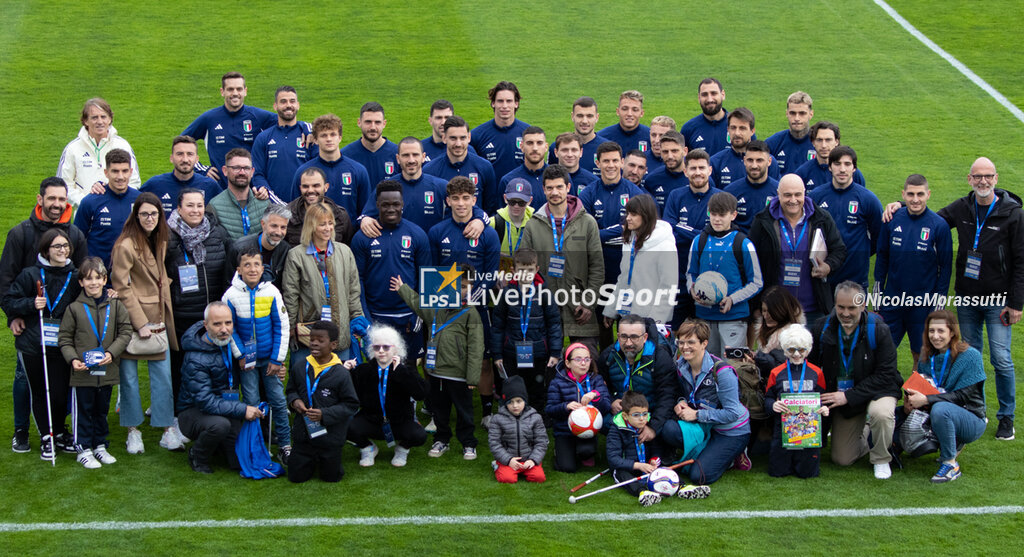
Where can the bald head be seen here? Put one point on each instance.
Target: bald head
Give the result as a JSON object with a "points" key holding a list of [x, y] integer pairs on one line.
{"points": [[791, 196], [983, 179], [217, 320], [792, 182]]}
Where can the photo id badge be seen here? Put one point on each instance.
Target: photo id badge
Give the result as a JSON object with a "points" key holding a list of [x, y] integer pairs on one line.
{"points": [[315, 429], [230, 394], [325, 312], [50, 329], [556, 266], [524, 355], [431, 360], [973, 268], [188, 277], [249, 353], [92, 361], [845, 384], [791, 269], [389, 436], [625, 303]]}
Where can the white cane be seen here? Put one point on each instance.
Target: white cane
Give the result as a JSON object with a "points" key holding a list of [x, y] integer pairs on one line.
{"points": [[46, 381]]}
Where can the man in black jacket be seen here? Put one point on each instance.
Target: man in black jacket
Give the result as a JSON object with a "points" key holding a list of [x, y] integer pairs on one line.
{"points": [[854, 350], [52, 210], [271, 242], [783, 235]]}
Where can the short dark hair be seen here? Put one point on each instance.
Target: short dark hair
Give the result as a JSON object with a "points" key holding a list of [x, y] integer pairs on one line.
{"points": [[182, 139], [556, 172], [503, 86], [694, 327], [608, 147], [388, 185], [284, 89], [52, 182], [118, 156], [314, 170], [459, 185], [585, 102], [409, 140], [92, 265], [759, 146], [632, 319], [525, 256], [722, 203], [823, 125], [454, 122], [634, 399], [237, 152], [636, 153], [370, 107], [708, 80], [697, 154], [915, 180], [842, 151], [251, 250], [441, 104], [742, 113], [568, 137], [230, 75], [48, 238], [534, 130], [187, 191], [329, 326], [673, 136]]}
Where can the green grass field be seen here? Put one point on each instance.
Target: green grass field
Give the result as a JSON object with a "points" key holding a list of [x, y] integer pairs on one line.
{"points": [[902, 107]]}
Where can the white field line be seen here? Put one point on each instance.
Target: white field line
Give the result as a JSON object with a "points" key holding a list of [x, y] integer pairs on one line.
{"points": [[425, 520], [977, 80]]}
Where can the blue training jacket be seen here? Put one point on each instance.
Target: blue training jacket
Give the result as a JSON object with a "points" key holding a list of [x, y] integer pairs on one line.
{"points": [[277, 153]]}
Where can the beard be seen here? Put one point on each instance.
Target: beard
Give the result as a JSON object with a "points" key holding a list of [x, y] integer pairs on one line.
{"points": [[711, 109]]}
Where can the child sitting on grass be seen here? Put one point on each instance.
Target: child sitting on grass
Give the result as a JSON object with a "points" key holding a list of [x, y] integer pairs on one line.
{"points": [[517, 437], [576, 384]]}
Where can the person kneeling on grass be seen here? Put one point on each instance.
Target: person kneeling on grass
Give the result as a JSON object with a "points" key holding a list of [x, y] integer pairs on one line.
{"points": [[957, 371], [321, 392], [794, 376], [211, 412], [627, 455], [94, 332], [385, 385], [517, 437]]}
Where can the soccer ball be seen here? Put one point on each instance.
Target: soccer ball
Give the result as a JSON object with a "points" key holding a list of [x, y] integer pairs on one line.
{"points": [[663, 481], [710, 288], [585, 422]]}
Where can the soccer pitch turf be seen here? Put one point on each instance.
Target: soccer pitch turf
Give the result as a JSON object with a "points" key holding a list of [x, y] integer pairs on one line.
{"points": [[901, 106]]}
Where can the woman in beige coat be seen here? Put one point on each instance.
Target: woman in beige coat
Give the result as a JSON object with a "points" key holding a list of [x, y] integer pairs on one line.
{"points": [[321, 281], [140, 278]]}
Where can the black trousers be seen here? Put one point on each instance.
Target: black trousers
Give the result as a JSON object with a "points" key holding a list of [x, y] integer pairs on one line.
{"points": [[363, 428], [569, 450], [306, 458], [89, 409], [634, 488], [60, 376], [210, 433], [445, 393]]}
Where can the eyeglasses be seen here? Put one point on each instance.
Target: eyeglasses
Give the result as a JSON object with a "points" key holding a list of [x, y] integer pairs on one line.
{"points": [[630, 337], [239, 168], [382, 347], [581, 360], [795, 350], [985, 177], [517, 202], [61, 247], [149, 216], [639, 415]]}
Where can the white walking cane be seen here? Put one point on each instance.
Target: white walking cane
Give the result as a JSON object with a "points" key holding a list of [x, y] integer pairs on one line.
{"points": [[46, 381]]}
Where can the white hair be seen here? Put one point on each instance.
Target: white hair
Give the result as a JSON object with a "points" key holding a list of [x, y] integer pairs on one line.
{"points": [[386, 334], [795, 335]]}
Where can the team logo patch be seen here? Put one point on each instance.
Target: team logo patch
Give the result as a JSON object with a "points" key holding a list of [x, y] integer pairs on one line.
{"points": [[925, 234], [519, 143], [642, 146], [406, 242], [595, 159], [623, 199], [811, 154], [428, 197], [298, 142], [474, 242], [389, 168], [247, 125], [475, 177], [346, 178], [519, 188], [854, 205]]}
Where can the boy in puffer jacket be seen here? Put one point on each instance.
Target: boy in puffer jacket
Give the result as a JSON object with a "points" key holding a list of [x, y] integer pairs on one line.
{"points": [[260, 341], [517, 437]]}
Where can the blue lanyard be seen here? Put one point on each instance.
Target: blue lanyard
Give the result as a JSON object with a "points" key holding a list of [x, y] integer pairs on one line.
{"points": [[50, 307], [433, 326], [382, 388], [629, 376], [252, 309], [632, 259], [693, 392], [225, 354], [508, 235], [579, 386], [554, 233], [981, 222], [245, 220], [312, 389], [785, 234], [641, 450], [106, 321], [842, 357], [524, 318], [185, 253], [796, 388], [942, 372], [323, 274]]}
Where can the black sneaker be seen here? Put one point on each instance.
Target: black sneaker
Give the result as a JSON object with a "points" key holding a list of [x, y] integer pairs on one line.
{"points": [[45, 448], [196, 465], [283, 453], [19, 443], [66, 443], [1005, 430]]}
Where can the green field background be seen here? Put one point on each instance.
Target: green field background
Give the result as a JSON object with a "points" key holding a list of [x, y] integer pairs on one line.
{"points": [[904, 110]]}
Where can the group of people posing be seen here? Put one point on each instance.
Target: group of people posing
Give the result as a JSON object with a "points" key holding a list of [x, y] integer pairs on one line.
{"points": [[288, 271]]}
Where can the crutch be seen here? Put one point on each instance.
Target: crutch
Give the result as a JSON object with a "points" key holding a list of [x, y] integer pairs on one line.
{"points": [[46, 380], [590, 481], [573, 499]]}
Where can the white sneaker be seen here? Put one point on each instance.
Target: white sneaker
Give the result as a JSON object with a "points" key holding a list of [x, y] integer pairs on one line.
{"points": [[367, 454], [648, 498], [170, 440], [437, 449], [882, 471], [181, 436], [103, 456], [431, 427], [134, 443], [469, 453], [401, 457], [86, 458]]}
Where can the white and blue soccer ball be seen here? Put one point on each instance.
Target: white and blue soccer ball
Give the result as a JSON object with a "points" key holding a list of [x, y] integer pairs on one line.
{"points": [[710, 288], [663, 481]]}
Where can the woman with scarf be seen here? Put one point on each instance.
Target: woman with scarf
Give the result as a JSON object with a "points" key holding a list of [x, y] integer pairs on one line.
{"points": [[197, 265]]}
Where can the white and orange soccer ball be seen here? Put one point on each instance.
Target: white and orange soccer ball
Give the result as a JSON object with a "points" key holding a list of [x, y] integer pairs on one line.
{"points": [[585, 422]]}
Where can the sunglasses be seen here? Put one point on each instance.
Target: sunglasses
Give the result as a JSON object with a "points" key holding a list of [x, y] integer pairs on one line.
{"points": [[517, 202], [382, 347]]}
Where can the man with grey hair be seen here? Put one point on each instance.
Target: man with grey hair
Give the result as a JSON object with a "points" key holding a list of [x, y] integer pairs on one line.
{"points": [[855, 351], [211, 412], [271, 242]]}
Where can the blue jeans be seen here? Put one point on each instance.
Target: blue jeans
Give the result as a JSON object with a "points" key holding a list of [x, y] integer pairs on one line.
{"points": [[972, 319], [718, 454], [954, 425], [275, 398], [161, 395], [22, 406]]}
